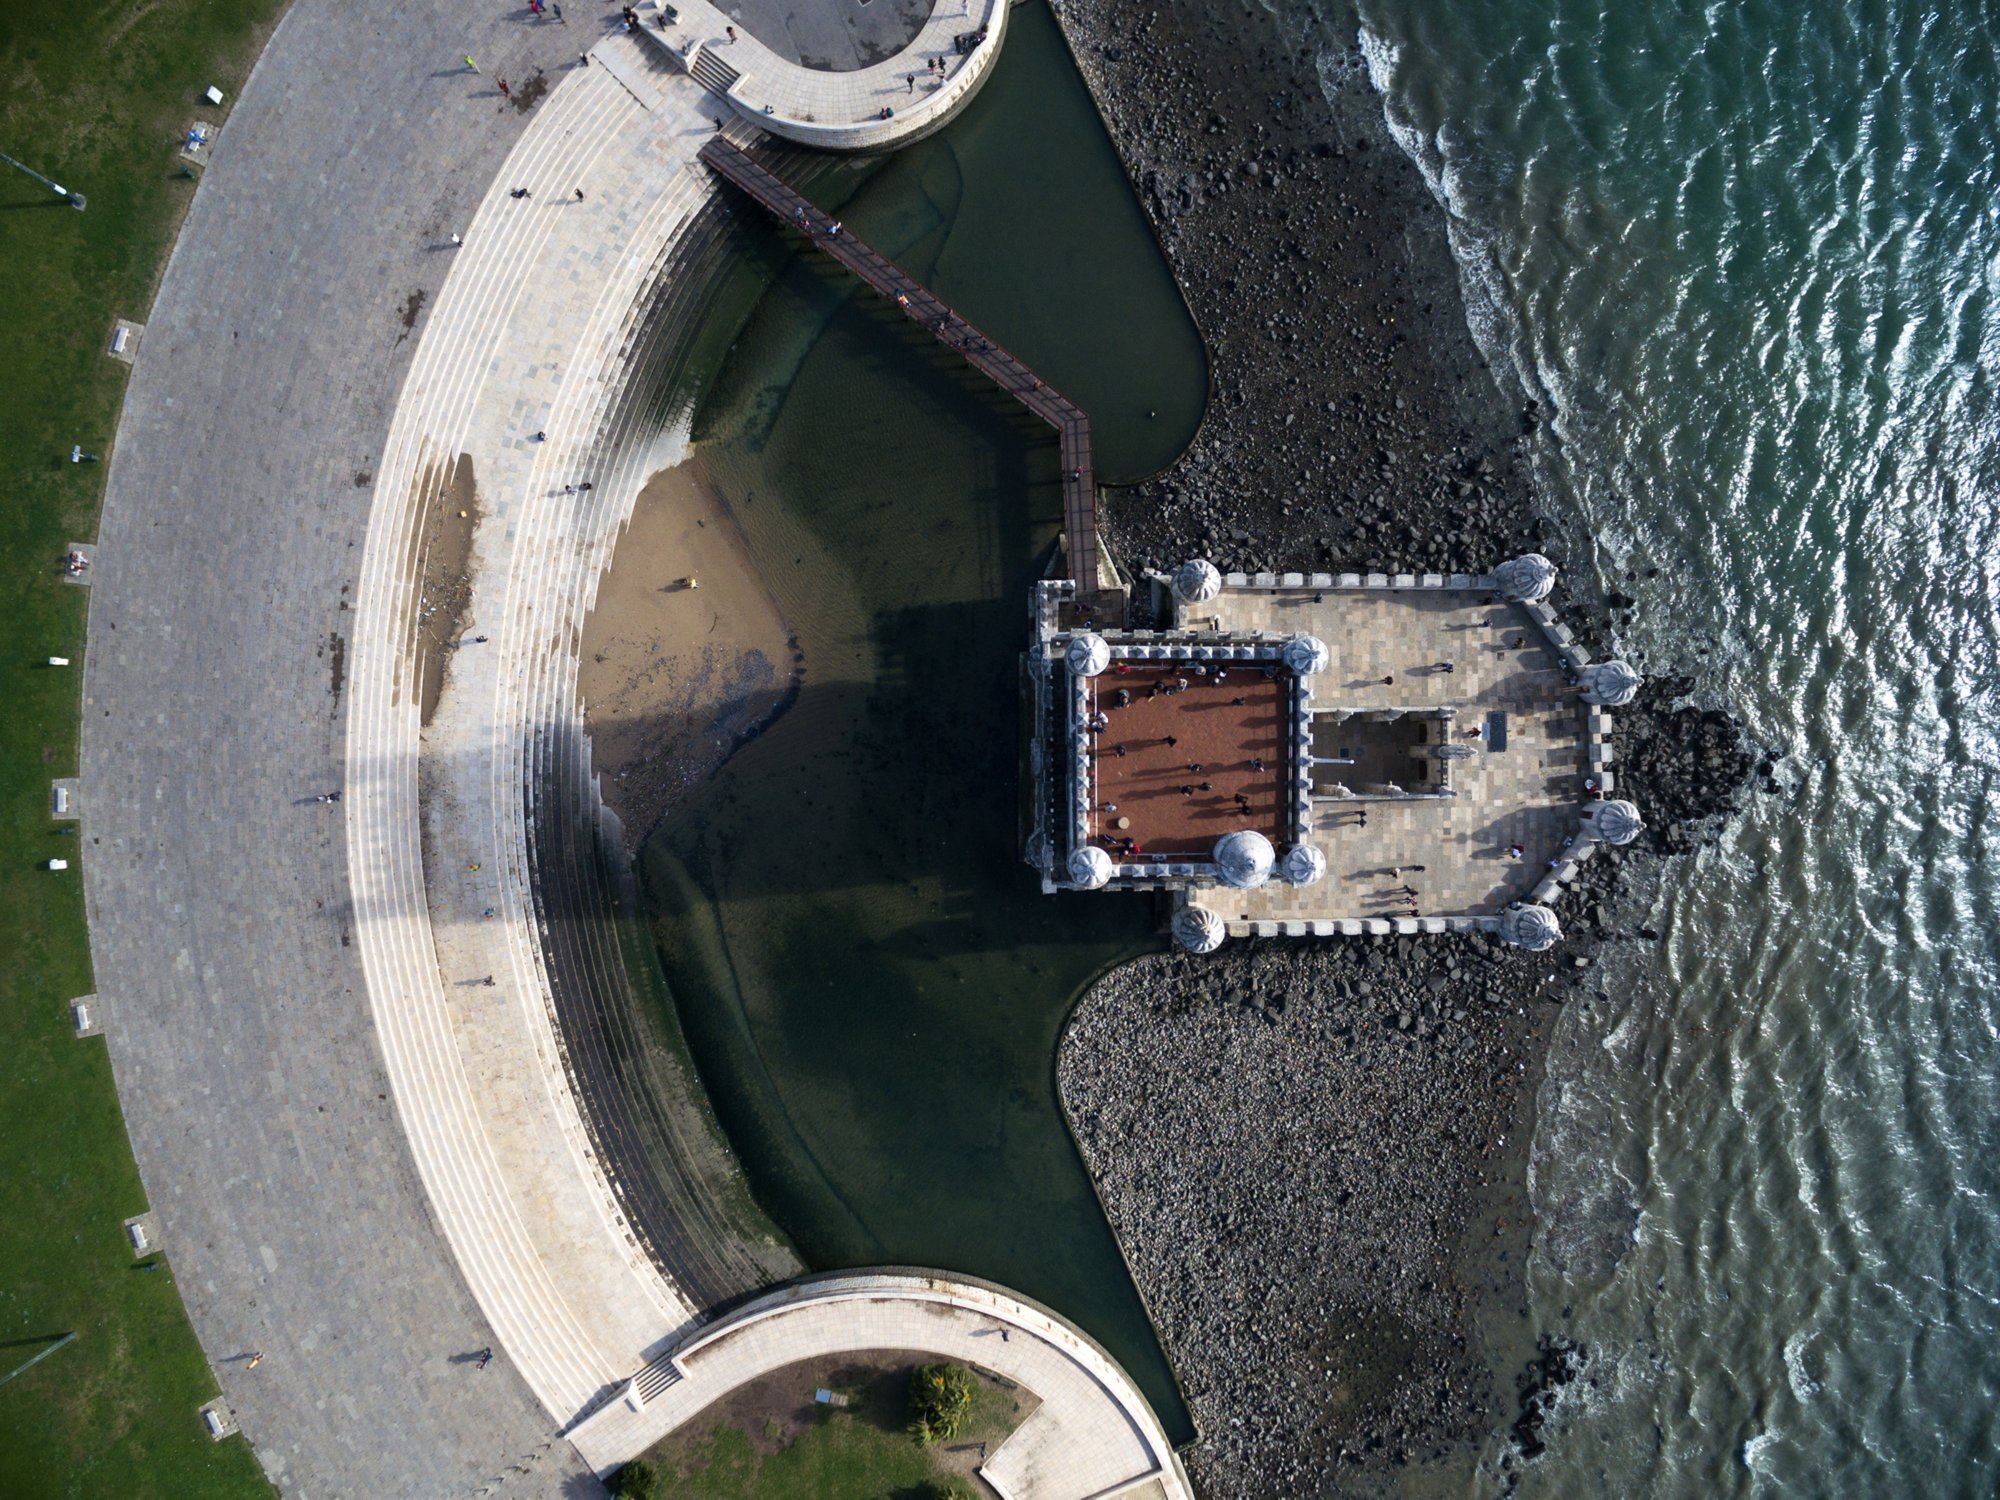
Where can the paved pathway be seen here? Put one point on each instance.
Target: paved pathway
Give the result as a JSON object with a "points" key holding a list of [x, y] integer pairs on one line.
{"points": [[1092, 1435], [897, 99], [236, 504]]}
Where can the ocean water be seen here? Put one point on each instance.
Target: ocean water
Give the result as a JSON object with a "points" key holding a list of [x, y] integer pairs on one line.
{"points": [[1745, 255]]}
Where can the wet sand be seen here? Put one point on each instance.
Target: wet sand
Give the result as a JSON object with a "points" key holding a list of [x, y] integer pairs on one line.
{"points": [[685, 653]]}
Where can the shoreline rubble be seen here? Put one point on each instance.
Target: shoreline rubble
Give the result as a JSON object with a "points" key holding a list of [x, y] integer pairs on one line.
{"points": [[1314, 1154]]}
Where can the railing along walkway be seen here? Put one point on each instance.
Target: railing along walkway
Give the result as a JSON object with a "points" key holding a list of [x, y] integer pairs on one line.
{"points": [[952, 330]]}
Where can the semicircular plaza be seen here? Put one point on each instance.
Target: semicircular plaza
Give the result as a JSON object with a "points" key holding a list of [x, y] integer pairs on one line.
{"points": [[388, 1094]]}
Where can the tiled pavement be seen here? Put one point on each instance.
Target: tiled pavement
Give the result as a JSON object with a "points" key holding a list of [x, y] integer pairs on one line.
{"points": [[235, 1004], [1529, 794]]}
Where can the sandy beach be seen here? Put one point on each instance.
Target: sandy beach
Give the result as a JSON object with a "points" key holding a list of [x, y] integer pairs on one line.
{"points": [[685, 653]]}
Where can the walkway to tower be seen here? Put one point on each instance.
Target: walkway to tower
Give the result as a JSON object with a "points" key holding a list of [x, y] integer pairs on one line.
{"points": [[951, 329]]}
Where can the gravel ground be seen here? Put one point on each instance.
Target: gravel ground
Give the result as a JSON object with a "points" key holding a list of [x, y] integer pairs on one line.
{"points": [[1314, 1154]]}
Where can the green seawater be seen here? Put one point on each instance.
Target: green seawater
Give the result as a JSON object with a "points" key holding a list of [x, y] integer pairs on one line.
{"points": [[1747, 256], [870, 980]]}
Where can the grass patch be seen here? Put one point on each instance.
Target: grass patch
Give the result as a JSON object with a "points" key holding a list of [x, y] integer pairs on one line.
{"points": [[97, 97], [770, 1440]]}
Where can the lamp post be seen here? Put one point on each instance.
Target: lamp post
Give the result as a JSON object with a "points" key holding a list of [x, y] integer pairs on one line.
{"points": [[76, 200]]}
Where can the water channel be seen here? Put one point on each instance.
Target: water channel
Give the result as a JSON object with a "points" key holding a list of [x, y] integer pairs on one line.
{"points": [[870, 981]]}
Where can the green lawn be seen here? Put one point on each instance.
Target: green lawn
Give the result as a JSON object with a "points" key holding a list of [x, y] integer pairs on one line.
{"points": [[96, 96], [803, 1451]]}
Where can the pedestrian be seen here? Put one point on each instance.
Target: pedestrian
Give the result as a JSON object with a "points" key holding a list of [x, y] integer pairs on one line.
{"points": [[718, 126], [1208, 786], [534, 7], [1395, 872], [912, 82], [1256, 762], [470, 63], [1445, 666], [485, 1358], [569, 489], [479, 640], [1514, 851], [1187, 789], [556, 11], [586, 485], [1121, 751], [732, 32], [1172, 740], [256, 1359], [520, 193], [487, 981], [504, 89], [488, 914], [1388, 681], [1110, 807], [1238, 702], [579, 195], [583, 59], [540, 437], [456, 241]]}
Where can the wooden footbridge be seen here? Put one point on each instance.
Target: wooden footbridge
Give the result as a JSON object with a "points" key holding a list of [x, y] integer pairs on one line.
{"points": [[950, 329]]}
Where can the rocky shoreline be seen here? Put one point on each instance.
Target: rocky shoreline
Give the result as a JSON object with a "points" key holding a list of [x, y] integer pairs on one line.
{"points": [[1314, 1154]]}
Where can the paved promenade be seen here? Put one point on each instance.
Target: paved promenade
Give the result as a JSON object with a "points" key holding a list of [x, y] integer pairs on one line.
{"points": [[235, 1004], [363, 489], [900, 98], [1092, 1435]]}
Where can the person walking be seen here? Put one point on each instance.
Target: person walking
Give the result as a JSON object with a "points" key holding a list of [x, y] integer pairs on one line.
{"points": [[519, 193], [256, 1359], [485, 1358], [504, 89], [579, 195], [456, 241], [470, 63]]}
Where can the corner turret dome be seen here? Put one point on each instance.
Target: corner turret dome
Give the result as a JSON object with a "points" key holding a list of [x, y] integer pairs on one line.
{"points": [[1529, 576], [1244, 859], [1087, 654], [1302, 865], [1613, 822], [1196, 581], [1090, 867], [1306, 654], [1198, 929], [1611, 684], [1530, 927]]}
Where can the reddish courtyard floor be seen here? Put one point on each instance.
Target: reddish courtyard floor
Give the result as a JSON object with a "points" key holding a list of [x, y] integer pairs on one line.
{"points": [[1188, 756]]}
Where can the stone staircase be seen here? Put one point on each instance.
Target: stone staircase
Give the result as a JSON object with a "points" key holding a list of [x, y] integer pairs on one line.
{"points": [[518, 1099], [710, 71]]}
